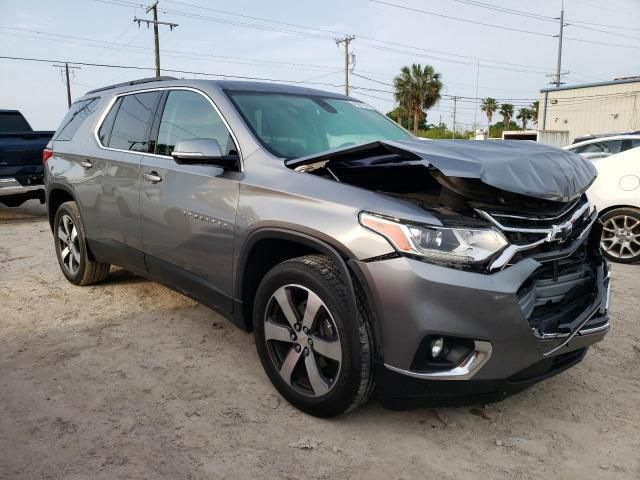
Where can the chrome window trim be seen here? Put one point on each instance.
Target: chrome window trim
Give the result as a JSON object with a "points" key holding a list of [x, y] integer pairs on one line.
{"points": [[113, 100], [466, 370]]}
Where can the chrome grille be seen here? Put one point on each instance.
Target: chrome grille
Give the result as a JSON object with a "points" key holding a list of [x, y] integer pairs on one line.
{"points": [[568, 286], [544, 238]]}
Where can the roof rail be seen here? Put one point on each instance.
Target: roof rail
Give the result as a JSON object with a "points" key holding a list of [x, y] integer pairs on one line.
{"points": [[132, 82]]}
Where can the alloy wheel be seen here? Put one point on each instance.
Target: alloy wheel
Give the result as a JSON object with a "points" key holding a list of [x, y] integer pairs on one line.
{"points": [[302, 340], [621, 237], [69, 244]]}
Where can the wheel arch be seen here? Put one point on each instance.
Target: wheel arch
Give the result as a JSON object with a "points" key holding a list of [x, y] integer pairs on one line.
{"points": [[608, 209], [281, 244], [57, 195]]}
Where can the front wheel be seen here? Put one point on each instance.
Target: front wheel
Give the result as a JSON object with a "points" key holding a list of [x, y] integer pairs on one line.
{"points": [[620, 240], [317, 357]]}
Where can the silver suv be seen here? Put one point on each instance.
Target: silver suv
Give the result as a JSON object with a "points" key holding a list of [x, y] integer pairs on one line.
{"points": [[362, 258]]}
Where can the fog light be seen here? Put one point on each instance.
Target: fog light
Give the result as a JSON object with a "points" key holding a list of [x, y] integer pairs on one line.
{"points": [[437, 344]]}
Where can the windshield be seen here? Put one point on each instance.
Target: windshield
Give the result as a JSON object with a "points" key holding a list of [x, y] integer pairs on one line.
{"points": [[293, 126]]}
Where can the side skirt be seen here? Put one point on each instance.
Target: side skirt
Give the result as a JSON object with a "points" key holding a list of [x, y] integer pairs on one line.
{"points": [[167, 274]]}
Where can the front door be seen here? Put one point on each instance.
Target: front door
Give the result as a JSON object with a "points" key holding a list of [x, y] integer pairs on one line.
{"points": [[188, 212]]}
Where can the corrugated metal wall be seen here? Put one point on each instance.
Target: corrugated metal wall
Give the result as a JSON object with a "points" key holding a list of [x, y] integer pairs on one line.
{"points": [[591, 110]]}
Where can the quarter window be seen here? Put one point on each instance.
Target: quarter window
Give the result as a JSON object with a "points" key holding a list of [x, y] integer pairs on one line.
{"points": [[188, 115], [132, 124], [76, 115]]}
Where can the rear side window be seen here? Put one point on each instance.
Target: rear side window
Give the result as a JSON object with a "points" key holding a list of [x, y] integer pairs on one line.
{"points": [[133, 121], [104, 132], [76, 115], [188, 115]]}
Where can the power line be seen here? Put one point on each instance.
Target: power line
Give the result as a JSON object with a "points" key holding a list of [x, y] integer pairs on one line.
{"points": [[492, 25], [187, 72], [226, 58], [322, 36], [475, 22], [619, 27], [512, 11], [536, 16]]}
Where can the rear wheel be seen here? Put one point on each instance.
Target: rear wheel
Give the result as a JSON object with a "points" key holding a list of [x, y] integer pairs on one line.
{"points": [[71, 248], [317, 357], [620, 240]]}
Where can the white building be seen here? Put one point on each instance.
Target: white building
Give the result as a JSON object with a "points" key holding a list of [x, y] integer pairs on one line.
{"points": [[591, 108]]}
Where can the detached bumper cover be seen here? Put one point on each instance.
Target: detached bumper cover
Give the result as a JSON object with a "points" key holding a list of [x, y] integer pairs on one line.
{"points": [[414, 299]]}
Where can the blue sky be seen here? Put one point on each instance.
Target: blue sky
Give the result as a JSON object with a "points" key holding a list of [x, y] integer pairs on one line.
{"points": [[224, 43]]}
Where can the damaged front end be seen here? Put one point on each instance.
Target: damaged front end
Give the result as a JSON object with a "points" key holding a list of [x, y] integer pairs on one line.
{"points": [[497, 204]]}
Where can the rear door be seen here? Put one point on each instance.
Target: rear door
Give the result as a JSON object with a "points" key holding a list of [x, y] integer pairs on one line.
{"points": [[111, 201], [188, 212]]}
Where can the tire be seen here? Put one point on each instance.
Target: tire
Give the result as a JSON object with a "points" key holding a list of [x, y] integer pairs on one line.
{"points": [[338, 382], [71, 248], [620, 241]]}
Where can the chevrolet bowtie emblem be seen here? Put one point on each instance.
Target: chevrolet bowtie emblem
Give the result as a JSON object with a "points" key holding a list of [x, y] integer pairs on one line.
{"points": [[560, 233]]}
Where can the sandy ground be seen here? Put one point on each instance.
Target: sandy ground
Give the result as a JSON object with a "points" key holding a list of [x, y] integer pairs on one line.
{"points": [[128, 379]]}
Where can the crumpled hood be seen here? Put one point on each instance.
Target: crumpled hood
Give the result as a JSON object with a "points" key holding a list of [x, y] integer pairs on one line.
{"points": [[522, 167]]}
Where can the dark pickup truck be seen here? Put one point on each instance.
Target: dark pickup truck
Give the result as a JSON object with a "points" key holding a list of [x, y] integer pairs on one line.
{"points": [[21, 151]]}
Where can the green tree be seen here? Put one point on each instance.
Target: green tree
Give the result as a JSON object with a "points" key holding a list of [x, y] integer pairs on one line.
{"points": [[489, 106], [417, 89], [497, 128], [506, 110], [524, 115], [399, 114], [535, 110]]}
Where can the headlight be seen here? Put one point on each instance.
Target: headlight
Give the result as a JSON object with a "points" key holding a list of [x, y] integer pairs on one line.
{"points": [[438, 244]]}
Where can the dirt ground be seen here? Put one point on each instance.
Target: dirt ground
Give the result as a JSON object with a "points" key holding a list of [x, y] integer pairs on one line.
{"points": [[128, 379]]}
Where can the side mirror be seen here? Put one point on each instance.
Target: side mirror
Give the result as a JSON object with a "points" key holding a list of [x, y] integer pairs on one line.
{"points": [[203, 151]]}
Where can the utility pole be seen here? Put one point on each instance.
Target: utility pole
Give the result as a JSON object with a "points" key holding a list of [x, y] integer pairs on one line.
{"points": [[475, 111], [156, 34], [455, 104], [557, 77], [559, 64], [347, 39], [66, 68]]}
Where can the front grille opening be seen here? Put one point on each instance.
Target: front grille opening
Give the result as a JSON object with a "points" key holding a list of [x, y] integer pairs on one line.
{"points": [[559, 292]]}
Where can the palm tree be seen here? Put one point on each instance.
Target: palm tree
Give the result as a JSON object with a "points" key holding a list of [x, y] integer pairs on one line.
{"points": [[417, 88], [489, 106], [524, 115], [535, 111], [506, 110]]}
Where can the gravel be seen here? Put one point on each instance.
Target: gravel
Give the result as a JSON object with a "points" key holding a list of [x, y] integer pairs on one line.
{"points": [[128, 379]]}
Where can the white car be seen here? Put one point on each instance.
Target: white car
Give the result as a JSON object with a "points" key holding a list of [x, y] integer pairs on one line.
{"points": [[600, 147], [616, 194]]}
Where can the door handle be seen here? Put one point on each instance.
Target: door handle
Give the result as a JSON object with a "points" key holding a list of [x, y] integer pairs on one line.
{"points": [[152, 177], [86, 164]]}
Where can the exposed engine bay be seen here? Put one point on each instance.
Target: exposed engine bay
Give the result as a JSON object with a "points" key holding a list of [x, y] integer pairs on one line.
{"points": [[454, 187], [534, 196]]}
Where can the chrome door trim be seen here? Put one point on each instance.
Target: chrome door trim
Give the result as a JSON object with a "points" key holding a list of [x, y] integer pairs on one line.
{"points": [[160, 89]]}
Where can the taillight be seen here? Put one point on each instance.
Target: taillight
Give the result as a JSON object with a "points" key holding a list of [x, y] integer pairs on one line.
{"points": [[46, 154]]}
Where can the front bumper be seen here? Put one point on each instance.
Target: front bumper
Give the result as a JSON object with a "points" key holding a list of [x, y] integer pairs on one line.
{"points": [[412, 300]]}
